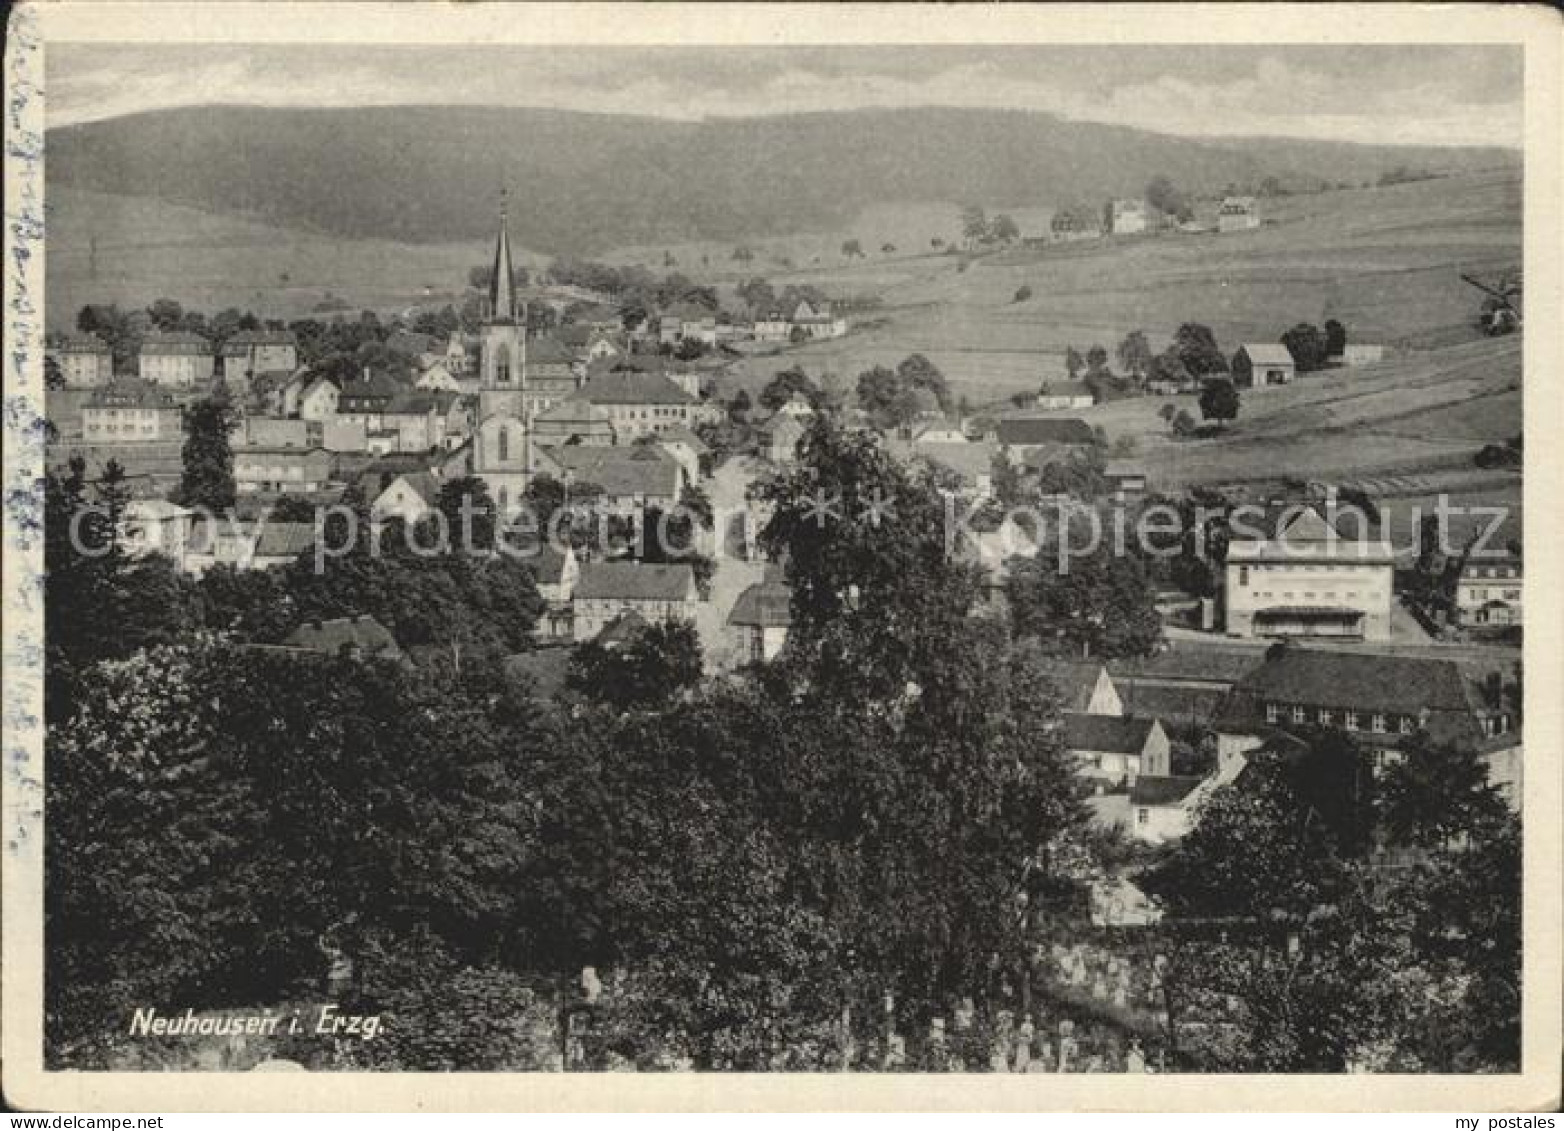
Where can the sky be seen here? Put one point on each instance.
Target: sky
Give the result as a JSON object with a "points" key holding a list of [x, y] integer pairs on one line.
{"points": [[1414, 95]]}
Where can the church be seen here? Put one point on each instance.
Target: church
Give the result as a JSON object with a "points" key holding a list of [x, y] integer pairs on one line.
{"points": [[502, 442]]}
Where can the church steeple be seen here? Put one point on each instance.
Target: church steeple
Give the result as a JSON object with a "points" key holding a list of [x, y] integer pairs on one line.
{"points": [[502, 286]]}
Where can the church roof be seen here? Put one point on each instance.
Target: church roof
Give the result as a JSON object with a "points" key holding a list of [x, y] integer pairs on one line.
{"points": [[502, 286]]}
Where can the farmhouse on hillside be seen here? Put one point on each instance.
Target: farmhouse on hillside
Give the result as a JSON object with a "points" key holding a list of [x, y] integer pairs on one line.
{"points": [[1256, 366], [1237, 214]]}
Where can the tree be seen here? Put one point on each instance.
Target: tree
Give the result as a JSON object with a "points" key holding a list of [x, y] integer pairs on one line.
{"points": [[1335, 338], [1167, 412], [758, 295], [1023, 293], [917, 372], [1074, 363], [207, 457], [1097, 604], [468, 496], [1164, 197], [1003, 229], [780, 389], [1219, 400], [852, 249], [1197, 350], [739, 407], [1437, 796], [974, 225], [1096, 361], [166, 314], [1134, 354], [1169, 366], [661, 661], [1183, 424], [1308, 346], [743, 254]]}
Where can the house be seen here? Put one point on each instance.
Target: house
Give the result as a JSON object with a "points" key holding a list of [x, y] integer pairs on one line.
{"points": [[1309, 575], [273, 543], [344, 436], [281, 470], [1064, 395], [655, 592], [574, 422], [688, 449], [1256, 366], [156, 526], [971, 464], [687, 321], [817, 322], [1128, 217], [1116, 748], [1083, 686], [638, 396], [175, 359], [552, 373], [1488, 592], [1183, 684], [760, 619], [778, 438], [1380, 699], [1023, 436], [1067, 227], [1165, 807], [941, 430], [1237, 214], [1362, 354], [317, 399], [360, 637], [409, 497], [438, 378], [85, 361], [363, 401], [249, 352], [629, 479], [130, 411], [773, 326], [272, 432], [798, 407], [418, 419], [261, 543], [555, 570], [1126, 479]]}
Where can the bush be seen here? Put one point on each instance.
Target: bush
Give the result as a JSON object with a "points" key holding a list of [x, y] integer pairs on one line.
{"points": [[1023, 293]]}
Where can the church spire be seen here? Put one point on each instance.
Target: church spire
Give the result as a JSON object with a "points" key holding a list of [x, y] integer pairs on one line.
{"points": [[502, 286]]}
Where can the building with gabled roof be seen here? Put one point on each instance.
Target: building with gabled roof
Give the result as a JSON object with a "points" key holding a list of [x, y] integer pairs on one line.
{"points": [[1083, 686], [1020, 433], [638, 396], [360, 637], [641, 476], [655, 592], [175, 359], [1382, 700], [408, 497], [130, 411], [574, 422], [246, 353], [1258, 365], [1237, 214], [85, 360], [759, 621], [1308, 575], [1116, 748]]}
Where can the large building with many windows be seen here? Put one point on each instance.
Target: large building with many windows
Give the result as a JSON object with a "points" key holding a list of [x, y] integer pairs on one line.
{"points": [[1298, 575]]}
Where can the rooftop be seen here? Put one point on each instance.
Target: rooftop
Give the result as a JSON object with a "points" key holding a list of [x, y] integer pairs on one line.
{"points": [[631, 382], [1265, 353], [1111, 734], [1044, 430], [364, 633], [766, 604], [1365, 681], [1151, 790], [635, 581]]}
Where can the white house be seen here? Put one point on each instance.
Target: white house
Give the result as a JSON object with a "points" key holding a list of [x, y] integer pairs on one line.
{"points": [[409, 497], [1237, 214], [656, 592], [1489, 592], [156, 526], [1305, 577]]}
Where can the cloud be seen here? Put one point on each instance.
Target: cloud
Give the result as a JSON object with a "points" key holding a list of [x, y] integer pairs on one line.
{"points": [[1204, 92]]}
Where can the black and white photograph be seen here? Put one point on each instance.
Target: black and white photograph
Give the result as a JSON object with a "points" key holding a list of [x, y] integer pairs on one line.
{"points": [[809, 555]]}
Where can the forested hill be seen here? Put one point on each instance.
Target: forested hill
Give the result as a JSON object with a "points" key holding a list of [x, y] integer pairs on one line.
{"points": [[586, 182]]}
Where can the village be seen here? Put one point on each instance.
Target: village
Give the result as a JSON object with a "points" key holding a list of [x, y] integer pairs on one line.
{"points": [[1270, 619]]}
